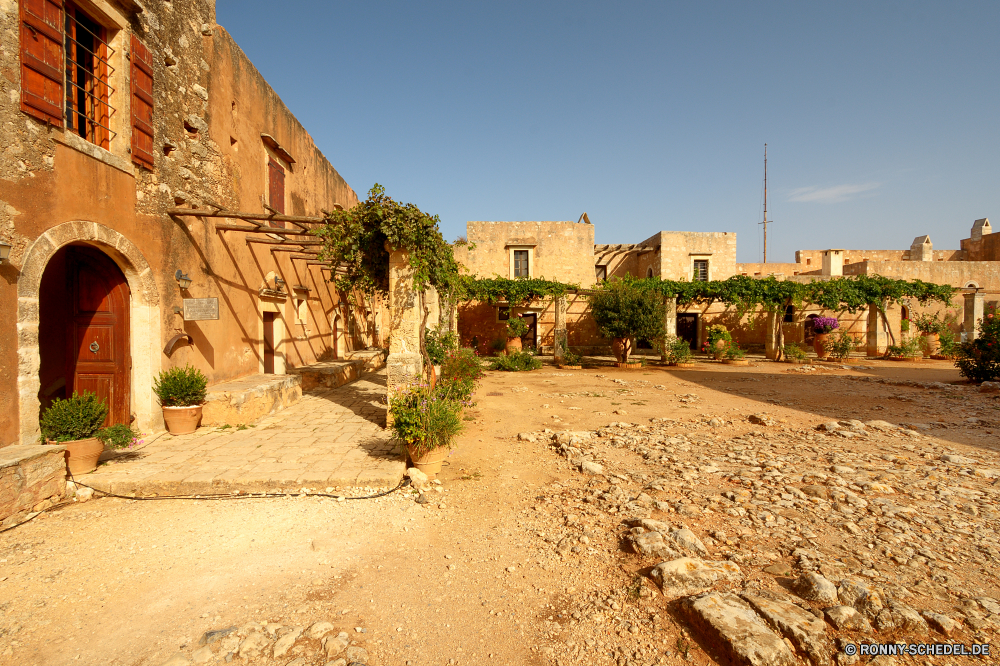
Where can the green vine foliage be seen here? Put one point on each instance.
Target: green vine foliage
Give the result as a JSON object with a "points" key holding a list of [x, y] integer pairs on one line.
{"points": [[514, 291], [356, 240]]}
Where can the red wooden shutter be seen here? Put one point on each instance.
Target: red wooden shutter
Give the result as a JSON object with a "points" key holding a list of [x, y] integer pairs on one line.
{"points": [[276, 188], [42, 62], [142, 104]]}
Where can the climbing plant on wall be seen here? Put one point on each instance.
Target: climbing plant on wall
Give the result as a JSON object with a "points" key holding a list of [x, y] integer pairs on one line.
{"points": [[356, 240], [514, 291]]}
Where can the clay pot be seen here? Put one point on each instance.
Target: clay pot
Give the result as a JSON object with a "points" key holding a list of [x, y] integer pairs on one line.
{"points": [[932, 344], [182, 420], [621, 348], [819, 345], [735, 361], [513, 344], [82, 455], [428, 462]]}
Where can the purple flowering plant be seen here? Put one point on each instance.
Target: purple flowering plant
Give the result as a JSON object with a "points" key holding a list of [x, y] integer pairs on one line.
{"points": [[825, 324]]}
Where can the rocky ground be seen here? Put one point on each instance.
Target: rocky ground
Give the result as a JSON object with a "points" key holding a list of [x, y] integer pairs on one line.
{"points": [[762, 515]]}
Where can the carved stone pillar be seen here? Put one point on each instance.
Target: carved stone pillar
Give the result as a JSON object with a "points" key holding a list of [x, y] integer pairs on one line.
{"points": [[404, 363], [973, 313], [669, 325], [774, 320]]}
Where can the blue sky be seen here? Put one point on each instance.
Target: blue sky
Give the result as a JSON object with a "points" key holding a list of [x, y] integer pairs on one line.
{"points": [[881, 119]]}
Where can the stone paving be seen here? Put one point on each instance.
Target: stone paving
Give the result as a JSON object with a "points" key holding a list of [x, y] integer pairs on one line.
{"points": [[331, 438]]}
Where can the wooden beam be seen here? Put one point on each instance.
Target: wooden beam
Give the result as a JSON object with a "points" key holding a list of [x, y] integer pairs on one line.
{"points": [[262, 230], [249, 217], [271, 241]]}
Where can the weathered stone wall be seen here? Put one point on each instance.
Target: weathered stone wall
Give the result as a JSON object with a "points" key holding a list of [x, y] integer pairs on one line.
{"points": [[561, 250], [815, 257], [679, 249], [211, 107], [987, 248], [31, 478]]}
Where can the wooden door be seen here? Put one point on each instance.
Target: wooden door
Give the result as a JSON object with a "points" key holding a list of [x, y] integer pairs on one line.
{"points": [[269, 343], [98, 355], [528, 339], [687, 328]]}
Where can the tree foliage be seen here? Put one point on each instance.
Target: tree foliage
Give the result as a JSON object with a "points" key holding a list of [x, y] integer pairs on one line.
{"points": [[625, 309], [515, 291], [356, 240]]}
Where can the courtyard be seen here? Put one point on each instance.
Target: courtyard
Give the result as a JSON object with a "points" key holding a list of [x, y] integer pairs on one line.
{"points": [[881, 473]]}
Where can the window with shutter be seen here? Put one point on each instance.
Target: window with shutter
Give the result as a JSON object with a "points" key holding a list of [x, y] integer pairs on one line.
{"points": [[142, 104], [276, 189], [88, 113], [42, 62]]}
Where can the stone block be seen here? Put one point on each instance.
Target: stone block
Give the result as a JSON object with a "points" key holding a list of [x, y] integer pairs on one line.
{"points": [[29, 476], [27, 310]]}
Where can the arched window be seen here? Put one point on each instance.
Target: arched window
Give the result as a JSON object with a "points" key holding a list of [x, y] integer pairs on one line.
{"points": [[649, 272]]}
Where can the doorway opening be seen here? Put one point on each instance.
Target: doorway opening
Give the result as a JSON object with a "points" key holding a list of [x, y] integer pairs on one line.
{"points": [[687, 328], [529, 339], [83, 340], [268, 343]]}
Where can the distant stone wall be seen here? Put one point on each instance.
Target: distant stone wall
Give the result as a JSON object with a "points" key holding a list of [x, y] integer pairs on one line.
{"points": [[32, 478]]}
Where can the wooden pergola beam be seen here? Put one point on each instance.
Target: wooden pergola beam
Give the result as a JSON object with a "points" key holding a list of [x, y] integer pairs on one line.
{"points": [[249, 217], [271, 241], [263, 229]]}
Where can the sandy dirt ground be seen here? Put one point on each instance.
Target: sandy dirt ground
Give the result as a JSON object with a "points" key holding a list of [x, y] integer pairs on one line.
{"points": [[503, 563]]}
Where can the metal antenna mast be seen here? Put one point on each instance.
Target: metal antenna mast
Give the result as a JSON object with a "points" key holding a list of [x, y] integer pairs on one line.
{"points": [[765, 204]]}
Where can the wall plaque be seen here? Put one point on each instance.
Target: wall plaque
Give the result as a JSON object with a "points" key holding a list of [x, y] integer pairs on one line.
{"points": [[201, 309]]}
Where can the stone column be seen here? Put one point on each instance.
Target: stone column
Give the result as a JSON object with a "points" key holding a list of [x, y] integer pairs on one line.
{"points": [[404, 363], [878, 337], [774, 320], [560, 334], [669, 324], [973, 313]]}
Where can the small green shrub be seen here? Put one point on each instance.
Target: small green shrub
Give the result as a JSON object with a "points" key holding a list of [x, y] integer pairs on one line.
{"points": [[928, 323], [180, 387], [499, 344], [516, 361], [424, 419], [717, 333], [907, 348], [794, 353], [676, 350], [79, 417], [841, 345], [120, 436], [516, 327], [733, 352], [979, 360], [460, 374], [949, 342], [439, 344], [569, 358]]}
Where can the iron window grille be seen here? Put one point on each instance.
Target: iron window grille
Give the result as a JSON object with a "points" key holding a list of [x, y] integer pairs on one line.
{"points": [[88, 72], [520, 263], [701, 270]]}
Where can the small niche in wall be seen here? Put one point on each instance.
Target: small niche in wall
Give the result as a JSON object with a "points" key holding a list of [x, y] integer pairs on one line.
{"points": [[234, 144], [235, 111], [190, 129]]}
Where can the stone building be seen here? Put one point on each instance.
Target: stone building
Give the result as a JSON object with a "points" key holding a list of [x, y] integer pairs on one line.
{"points": [[114, 115], [556, 250]]}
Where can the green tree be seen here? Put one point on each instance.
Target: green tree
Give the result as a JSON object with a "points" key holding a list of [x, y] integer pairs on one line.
{"points": [[627, 309]]}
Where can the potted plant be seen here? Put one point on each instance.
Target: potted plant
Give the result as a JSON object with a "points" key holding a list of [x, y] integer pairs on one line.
{"points": [[978, 360], [677, 352], [424, 422], [718, 338], [74, 423], [181, 392], [822, 327], [516, 327], [733, 355], [625, 310], [931, 327]]}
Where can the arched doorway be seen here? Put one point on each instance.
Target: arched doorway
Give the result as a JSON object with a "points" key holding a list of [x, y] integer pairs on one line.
{"points": [[83, 340], [810, 332], [142, 341]]}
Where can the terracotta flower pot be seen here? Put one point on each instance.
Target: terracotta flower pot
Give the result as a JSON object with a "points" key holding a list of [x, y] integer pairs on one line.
{"points": [[82, 455], [428, 462], [513, 344], [621, 348], [819, 345], [182, 420], [932, 344]]}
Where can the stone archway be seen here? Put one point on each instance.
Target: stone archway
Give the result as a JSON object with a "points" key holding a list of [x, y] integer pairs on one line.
{"points": [[144, 314]]}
